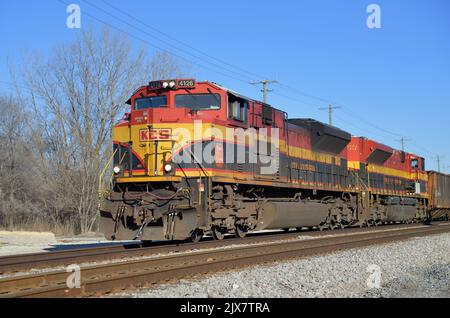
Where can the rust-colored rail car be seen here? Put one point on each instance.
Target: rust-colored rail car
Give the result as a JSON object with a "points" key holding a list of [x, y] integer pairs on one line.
{"points": [[439, 190]]}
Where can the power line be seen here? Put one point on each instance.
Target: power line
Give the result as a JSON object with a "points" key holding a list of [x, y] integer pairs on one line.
{"points": [[155, 46], [178, 41], [334, 102], [264, 90], [352, 123], [330, 109], [371, 124], [293, 89], [193, 48], [250, 74], [161, 40], [240, 74], [295, 99], [424, 149], [352, 113]]}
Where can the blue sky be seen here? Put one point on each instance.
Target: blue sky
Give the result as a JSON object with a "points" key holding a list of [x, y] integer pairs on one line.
{"points": [[390, 82]]}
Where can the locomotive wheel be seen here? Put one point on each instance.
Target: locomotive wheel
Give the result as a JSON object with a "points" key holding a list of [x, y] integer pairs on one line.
{"points": [[240, 231], [217, 233], [196, 236]]}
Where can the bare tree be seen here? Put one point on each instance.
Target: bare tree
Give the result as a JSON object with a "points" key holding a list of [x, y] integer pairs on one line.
{"points": [[164, 66], [9, 177], [77, 93], [17, 187]]}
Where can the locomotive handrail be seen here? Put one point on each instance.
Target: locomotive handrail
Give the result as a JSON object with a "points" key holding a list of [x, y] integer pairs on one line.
{"points": [[360, 181], [100, 177], [364, 188], [120, 162]]}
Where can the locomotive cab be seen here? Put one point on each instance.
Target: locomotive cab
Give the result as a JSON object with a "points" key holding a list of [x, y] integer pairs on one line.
{"points": [[156, 111]]}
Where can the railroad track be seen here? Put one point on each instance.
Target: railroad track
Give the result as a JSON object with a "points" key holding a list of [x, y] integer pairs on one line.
{"points": [[12, 264], [111, 277]]}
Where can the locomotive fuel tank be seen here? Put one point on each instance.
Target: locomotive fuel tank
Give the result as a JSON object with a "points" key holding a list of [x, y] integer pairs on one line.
{"points": [[397, 213], [278, 215], [399, 209]]}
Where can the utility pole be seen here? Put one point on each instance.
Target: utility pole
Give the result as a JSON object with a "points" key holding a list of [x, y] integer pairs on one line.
{"points": [[438, 160], [403, 140], [330, 109], [265, 90]]}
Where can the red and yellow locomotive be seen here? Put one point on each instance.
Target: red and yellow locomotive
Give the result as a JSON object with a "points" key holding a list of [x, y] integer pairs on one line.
{"points": [[194, 158]]}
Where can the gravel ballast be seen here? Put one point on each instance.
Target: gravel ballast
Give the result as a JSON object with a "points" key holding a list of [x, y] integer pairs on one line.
{"points": [[419, 267]]}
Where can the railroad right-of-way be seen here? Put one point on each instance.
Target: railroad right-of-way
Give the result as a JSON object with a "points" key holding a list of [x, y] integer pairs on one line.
{"points": [[186, 261]]}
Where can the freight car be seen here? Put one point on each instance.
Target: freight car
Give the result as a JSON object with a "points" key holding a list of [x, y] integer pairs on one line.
{"points": [[194, 157], [439, 190]]}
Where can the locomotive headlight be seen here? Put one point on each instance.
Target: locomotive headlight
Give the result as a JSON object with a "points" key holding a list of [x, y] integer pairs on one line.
{"points": [[168, 168], [172, 84], [165, 84], [116, 169]]}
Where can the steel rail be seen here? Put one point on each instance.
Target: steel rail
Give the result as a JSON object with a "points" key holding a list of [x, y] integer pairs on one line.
{"points": [[111, 277], [25, 262]]}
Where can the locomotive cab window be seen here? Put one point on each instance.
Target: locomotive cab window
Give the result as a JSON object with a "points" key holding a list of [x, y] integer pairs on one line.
{"points": [[237, 108], [198, 101], [150, 102]]}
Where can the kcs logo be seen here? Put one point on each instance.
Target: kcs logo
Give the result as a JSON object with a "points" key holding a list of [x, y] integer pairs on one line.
{"points": [[155, 134]]}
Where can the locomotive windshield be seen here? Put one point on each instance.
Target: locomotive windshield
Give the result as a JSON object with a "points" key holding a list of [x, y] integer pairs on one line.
{"points": [[198, 101], [150, 102]]}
